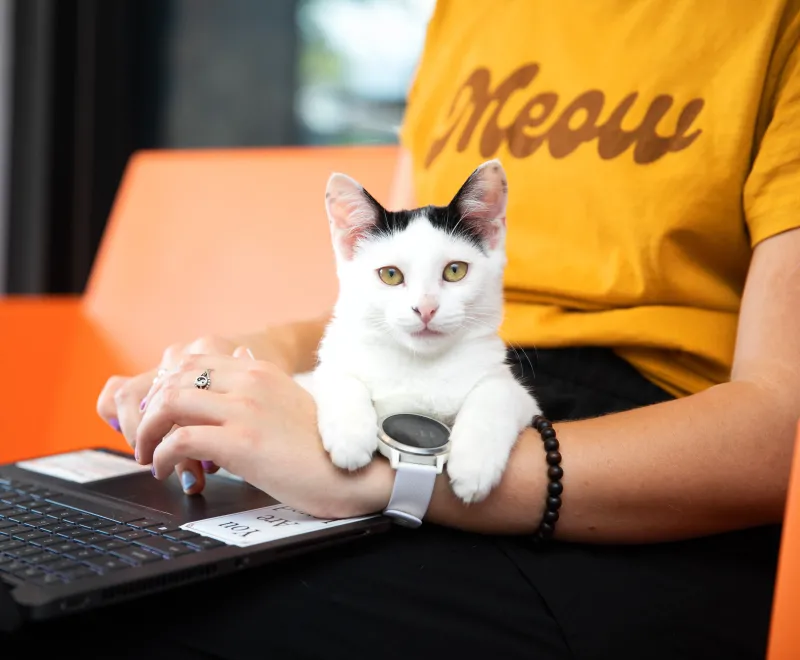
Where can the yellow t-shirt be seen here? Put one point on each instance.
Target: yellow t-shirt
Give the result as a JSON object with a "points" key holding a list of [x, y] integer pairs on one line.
{"points": [[649, 146]]}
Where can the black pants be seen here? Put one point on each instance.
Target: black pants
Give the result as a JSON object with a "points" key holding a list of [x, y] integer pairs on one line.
{"points": [[432, 591]]}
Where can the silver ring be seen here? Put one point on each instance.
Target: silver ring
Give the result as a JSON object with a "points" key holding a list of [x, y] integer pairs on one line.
{"points": [[203, 381]]}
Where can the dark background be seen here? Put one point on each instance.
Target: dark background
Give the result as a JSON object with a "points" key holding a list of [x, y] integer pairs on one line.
{"points": [[92, 81]]}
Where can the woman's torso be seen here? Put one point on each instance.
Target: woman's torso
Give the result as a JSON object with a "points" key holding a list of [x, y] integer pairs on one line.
{"points": [[628, 130]]}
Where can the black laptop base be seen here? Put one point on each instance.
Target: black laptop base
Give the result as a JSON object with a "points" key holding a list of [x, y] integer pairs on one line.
{"points": [[66, 548]]}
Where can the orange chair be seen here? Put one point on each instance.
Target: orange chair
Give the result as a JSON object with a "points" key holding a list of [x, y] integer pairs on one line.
{"points": [[784, 641], [198, 242]]}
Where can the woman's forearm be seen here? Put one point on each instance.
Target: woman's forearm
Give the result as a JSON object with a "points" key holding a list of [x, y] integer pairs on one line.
{"points": [[712, 462], [293, 346]]}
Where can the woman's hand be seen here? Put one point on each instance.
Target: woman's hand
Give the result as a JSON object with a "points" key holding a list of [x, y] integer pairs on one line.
{"points": [[256, 422], [121, 402]]}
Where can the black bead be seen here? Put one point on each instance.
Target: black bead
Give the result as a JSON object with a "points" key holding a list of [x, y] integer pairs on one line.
{"points": [[553, 503], [546, 530], [536, 420], [553, 458], [555, 488], [548, 433], [550, 516], [551, 445], [555, 472]]}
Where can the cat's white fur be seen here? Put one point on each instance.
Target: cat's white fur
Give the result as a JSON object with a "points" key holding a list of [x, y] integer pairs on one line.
{"points": [[372, 365]]}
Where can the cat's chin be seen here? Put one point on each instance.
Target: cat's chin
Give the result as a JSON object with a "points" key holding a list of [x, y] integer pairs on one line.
{"points": [[427, 333]]}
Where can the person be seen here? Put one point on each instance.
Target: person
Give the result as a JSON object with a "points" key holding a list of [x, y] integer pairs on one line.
{"points": [[654, 289]]}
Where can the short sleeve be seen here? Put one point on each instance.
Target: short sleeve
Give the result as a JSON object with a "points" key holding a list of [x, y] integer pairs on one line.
{"points": [[772, 190]]}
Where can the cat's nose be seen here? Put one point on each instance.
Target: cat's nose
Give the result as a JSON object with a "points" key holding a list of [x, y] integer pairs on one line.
{"points": [[425, 311]]}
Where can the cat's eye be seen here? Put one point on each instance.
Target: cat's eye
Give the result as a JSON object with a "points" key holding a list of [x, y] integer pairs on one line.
{"points": [[455, 271], [391, 275]]}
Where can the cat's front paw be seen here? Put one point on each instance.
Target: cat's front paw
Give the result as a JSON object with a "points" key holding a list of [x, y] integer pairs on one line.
{"points": [[476, 463], [350, 436]]}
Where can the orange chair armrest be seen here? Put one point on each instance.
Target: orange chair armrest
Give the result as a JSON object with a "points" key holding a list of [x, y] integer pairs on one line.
{"points": [[53, 366]]}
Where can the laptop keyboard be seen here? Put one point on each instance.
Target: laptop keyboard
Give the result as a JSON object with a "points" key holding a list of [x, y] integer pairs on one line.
{"points": [[46, 539]]}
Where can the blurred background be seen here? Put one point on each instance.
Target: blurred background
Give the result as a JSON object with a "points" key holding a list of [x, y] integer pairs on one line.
{"points": [[85, 83]]}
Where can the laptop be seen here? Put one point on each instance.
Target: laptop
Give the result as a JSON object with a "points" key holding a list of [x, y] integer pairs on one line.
{"points": [[90, 528]]}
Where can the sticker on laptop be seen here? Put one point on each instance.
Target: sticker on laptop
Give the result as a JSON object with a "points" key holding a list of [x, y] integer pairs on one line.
{"points": [[269, 523], [83, 466]]}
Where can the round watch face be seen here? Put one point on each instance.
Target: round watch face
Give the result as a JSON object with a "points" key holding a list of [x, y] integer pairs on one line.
{"points": [[416, 431]]}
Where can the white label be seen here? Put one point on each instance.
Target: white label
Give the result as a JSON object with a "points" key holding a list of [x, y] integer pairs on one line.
{"points": [[83, 466], [262, 525]]}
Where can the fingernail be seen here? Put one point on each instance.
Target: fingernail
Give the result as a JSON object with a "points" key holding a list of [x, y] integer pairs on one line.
{"points": [[136, 453], [207, 465], [153, 470], [115, 424], [142, 404], [188, 480], [250, 353]]}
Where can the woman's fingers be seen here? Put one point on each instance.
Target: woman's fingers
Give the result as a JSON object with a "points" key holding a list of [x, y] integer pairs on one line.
{"points": [[190, 443], [190, 369], [191, 475], [119, 403]]}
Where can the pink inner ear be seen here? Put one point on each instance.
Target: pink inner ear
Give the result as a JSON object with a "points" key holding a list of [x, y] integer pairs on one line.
{"points": [[483, 201], [350, 214]]}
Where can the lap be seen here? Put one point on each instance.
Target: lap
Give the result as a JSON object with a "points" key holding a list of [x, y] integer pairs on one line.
{"points": [[424, 592]]}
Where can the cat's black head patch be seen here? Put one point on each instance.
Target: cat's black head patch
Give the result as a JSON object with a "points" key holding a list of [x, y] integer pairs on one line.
{"points": [[446, 218]]}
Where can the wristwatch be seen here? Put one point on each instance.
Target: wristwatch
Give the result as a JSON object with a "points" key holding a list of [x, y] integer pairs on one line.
{"points": [[417, 448]]}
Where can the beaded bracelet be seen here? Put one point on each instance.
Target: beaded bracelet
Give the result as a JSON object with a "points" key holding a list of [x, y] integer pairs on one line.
{"points": [[554, 473]]}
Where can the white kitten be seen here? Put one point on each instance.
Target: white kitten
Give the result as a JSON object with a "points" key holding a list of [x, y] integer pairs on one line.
{"points": [[415, 328]]}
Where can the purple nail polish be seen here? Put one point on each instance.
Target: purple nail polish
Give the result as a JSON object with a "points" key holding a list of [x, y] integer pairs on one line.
{"points": [[207, 465], [114, 422], [153, 470], [142, 404]]}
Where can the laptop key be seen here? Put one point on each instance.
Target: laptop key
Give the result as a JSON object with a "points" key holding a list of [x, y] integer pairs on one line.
{"points": [[56, 527], [107, 564], [63, 546], [47, 541], [116, 529], [131, 535], [181, 535], [30, 535], [57, 511], [108, 544], [78, 518], [10, 545], [144, 523], [12, 567], [102, 524], [27, 573], [84, 554], [6, 524], [136, 555], [79, 574], [64, 565], [204, 543], [17, 529], [41, 558], [25, 551], [47, 580], [90, 539], [163, 546], [27, 518], [163, 529], [76, 532]]}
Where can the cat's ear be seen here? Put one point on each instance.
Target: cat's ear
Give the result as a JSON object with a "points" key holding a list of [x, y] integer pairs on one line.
{"points": [[482, 200], [352, 212]]}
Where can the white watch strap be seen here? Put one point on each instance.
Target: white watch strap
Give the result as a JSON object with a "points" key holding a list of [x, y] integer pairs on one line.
{"points": [[411, 495]]}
